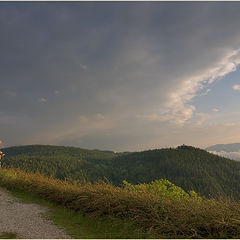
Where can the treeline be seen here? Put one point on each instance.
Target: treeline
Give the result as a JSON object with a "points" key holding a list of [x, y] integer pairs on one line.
{"points": [[188, 167], [60, 162]]}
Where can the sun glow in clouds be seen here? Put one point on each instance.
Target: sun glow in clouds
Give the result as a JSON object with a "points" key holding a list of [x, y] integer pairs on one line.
{"points": [[236, 87], [43, 100]]}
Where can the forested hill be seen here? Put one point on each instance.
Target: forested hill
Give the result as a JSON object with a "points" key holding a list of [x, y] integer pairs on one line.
{"points": [[188, 167], [60, 162]]}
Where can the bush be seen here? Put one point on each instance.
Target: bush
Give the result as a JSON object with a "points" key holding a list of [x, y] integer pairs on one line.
{"points": [[162, 188]]}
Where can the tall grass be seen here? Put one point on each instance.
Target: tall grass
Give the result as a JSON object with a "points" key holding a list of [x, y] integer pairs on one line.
{"points": [[163, 217]]}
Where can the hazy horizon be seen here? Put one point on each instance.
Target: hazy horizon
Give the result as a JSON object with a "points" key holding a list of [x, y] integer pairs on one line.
{"points": [[121, 76], [214, 152]]}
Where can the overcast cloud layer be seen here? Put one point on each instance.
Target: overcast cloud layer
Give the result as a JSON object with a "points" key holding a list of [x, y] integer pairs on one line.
{"points": [[121, 76]]}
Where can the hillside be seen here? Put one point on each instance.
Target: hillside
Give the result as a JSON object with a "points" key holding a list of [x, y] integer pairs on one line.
{"points": [[60, 162], [188, 167]]}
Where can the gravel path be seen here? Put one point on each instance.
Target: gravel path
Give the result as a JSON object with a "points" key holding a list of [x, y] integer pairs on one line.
{"points": [[25, 219]]}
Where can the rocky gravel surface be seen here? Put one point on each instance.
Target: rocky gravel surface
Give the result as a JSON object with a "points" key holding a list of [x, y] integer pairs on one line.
{"points": [[26, 220]]}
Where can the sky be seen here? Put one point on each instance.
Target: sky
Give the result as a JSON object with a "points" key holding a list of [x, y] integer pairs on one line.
{"points": [[122, 76]]}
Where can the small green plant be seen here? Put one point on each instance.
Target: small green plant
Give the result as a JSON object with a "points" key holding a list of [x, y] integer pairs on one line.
{"points": [[9, 174], [163, 189], [8, 235]]}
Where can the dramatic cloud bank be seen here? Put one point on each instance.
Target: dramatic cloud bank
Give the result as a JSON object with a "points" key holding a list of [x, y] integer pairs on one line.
{"points": [[120, 76]]}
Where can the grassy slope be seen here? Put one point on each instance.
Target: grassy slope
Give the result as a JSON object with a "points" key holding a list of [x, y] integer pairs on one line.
{"points": [[159, 217], [8, 235]]}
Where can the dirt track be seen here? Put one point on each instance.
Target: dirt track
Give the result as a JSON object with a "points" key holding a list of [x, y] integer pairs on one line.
{"points": [[25, 219]]}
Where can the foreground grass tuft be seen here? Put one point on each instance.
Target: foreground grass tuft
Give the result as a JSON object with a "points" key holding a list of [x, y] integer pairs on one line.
{"points": [[158, 217], [8, 235]]}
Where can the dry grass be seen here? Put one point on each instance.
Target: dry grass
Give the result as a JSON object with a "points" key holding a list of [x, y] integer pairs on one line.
{"points": [[8, 235], [162, 217]]}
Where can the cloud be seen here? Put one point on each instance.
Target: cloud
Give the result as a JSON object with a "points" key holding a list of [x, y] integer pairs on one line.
{"points": [[80, 127], [83, 118], [229, 124], [177, 108], [205, 93], [0, 142], [149, 61], [43, 100], [100, 116], [82, 66], [177, 115], [215, 110], [56, 92], [236, 87], [189, 87], [230, 155], [10, 93], [202, 118]]}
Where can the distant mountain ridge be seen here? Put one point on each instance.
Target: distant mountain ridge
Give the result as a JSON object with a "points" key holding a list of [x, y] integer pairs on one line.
{"points": [[231, 150], [185, 166], [231, 147]]}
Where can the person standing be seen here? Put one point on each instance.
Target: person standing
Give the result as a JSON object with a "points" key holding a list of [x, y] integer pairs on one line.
{"points": [[1, 156]]}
